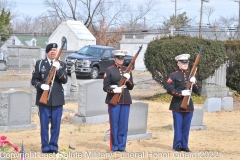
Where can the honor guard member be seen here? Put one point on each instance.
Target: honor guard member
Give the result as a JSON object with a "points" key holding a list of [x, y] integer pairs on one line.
{"points": [[52, 111], [118, 114], [176, 86]]}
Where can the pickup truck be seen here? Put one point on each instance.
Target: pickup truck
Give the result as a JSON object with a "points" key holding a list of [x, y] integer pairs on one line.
{"points": [[92, 61]]}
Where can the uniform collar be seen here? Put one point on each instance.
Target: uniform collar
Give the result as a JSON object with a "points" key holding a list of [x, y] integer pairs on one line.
{"points": [[50, 60], [118, 66], [182, 70]]}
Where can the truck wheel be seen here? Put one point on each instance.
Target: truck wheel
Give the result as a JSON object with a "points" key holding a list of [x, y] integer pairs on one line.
{"points": [[94, 73]]}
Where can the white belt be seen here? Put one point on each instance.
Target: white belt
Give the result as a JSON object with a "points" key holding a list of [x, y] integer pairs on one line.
{"points": [[115, 86]]}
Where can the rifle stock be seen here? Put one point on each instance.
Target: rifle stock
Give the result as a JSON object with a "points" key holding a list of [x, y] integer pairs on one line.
{"points": [[185, 100], [44, 96], [122, 82]]}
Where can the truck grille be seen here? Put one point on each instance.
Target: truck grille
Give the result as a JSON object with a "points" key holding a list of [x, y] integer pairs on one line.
{"points": [[69, 61]]}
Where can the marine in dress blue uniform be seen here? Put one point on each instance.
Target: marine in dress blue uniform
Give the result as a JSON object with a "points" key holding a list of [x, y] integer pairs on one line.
{"points": [[119, 114], [176, 86], [52, 111]]}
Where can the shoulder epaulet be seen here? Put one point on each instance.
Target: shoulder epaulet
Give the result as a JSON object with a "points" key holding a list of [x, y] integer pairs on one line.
{"points": [[175, 71], [39, 60]]}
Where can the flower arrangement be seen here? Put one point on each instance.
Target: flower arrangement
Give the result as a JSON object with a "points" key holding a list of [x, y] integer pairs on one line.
{"points": [[63, 154], [5, 145]]}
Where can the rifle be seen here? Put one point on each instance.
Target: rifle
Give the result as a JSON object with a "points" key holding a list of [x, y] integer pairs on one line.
{"points": [[51, 76], [115, 99], [186, 99]]}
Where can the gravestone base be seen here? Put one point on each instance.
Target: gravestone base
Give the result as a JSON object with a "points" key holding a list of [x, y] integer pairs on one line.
{"points": [[34, 110], [70, 99], [18, 127], [90, 120], [195, 128], [132, 137]]}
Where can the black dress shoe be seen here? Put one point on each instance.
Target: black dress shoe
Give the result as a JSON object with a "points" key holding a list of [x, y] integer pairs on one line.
{"points": [[46, 152], [122, 150], [178, 149], [54, 151], [185, 149]]}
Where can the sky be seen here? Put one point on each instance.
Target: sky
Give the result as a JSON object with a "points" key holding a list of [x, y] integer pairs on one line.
{"points": [[225, 8]]}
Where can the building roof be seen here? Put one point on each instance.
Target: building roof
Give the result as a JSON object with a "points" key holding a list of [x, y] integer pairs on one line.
{"points": [[42, 41], [78, 28]]}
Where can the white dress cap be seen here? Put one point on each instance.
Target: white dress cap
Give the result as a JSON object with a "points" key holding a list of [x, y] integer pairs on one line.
{"points": [[182, 57], [119, 52]]}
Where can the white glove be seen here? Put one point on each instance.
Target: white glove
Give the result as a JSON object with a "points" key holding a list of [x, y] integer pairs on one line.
{"points": [[56, 65], [127, 76], [186, 92], [117, 90], [193, 80], [45, 87]]}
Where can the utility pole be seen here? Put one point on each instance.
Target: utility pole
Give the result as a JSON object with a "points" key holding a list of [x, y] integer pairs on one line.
{"points": [[200, 23], [238, 26], [176, 8]]}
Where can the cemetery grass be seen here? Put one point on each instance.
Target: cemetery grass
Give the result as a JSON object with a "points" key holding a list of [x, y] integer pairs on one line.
{"points": [[219, 141]]}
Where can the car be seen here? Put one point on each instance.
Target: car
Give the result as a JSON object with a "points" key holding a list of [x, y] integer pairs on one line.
{"points": [[92, 60]]}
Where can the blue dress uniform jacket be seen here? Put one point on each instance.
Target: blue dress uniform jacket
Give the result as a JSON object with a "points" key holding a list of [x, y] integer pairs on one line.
{"points": [[177, 82], [39, 77], [112, 76]]}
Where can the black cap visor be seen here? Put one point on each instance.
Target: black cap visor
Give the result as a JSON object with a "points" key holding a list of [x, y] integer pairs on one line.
{"points": [[119, 57], [184, 61]]}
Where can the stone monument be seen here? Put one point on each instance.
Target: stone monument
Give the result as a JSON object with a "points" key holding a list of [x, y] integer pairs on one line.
{"points": [[74, 85]]}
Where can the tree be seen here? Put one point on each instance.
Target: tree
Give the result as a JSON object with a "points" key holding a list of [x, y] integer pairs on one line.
{"points": [[160, 54], [180, 21], [233, 64], [105, 38], [5, 29], [43, 24], [208, 11]]}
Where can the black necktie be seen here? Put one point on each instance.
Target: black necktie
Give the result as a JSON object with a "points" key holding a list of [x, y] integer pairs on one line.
{"points": [[51, 63]]}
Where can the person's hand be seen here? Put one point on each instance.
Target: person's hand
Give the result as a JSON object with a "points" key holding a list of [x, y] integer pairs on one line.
{"points": [[186, 92], [127, 76], [56, 65], [193, 80], [117, 90], [45, 87]]}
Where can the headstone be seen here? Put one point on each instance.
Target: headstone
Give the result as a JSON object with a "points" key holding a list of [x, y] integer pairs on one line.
{"points": [[197, 120], [3, 66], [212, 104], [1, 55], [33, 100], [137, 124], [227, 103], [74, 86], [15, 110], [91, 103]]}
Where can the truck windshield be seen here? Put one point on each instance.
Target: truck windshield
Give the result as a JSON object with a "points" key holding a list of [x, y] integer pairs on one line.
{"points": [[90, 51]]}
